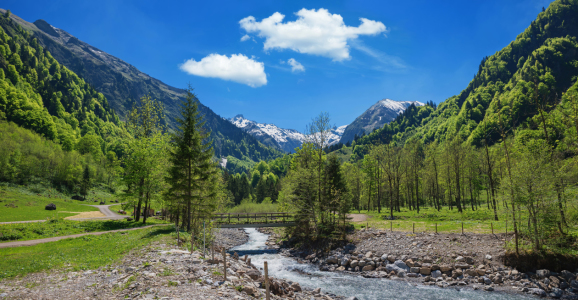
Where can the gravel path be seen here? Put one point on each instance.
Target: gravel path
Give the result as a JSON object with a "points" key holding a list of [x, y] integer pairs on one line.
{"points": [[358, 217], [105, 210], [57, 238]]}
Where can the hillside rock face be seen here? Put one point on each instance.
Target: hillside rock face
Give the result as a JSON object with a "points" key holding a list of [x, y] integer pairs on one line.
{"points": [[285, 139], [382, 112]]}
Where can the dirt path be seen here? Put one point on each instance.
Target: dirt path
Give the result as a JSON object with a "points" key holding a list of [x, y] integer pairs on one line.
{"points": [[105, 210], [359, 217], [58, 238]]}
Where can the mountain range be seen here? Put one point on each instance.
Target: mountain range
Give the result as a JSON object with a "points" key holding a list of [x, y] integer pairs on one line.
{"points": [[286, 139]]}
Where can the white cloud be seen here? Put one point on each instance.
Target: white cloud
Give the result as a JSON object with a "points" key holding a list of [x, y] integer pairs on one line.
{"points": [[238, 68], [295, 65], [245, 38], [314, 32]]}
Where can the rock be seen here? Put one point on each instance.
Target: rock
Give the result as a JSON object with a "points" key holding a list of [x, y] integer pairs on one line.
{"points": [[435, 267], [488, 288], [249, 290], [462, 265], [470, 260], [457, 273], [340, 269], [574, 284], [384, 257], [369, 254], [414, 269], [460, 259], [498, 279], [391, 258], [556, 293], [344, 262], [3, 295], [538, 292], [543, 273], [317, 291], [76, 197], [296, 287], [361, 263], [488, 257], [436, 274], [400, 264], [253, 274], [367, 268], [354, 263], [425, 271], [50, 206], [352, 298], [128, 218], [472, 272], [554, 281], [401, 274], [446, 268], [332, 260], [567, 275]]}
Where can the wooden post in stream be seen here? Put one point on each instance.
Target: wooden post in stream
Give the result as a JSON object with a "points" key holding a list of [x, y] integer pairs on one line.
{"points": [[267, 297], [225, 263]]}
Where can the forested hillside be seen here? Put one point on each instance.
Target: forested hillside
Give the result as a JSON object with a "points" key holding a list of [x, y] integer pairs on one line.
{"points": [[38, 93], [525, 79], [123, 84]]}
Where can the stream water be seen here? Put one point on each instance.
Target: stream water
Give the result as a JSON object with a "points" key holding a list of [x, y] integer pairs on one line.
{"points": [[351, 285]]}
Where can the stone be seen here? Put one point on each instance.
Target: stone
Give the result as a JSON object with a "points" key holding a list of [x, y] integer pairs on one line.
{"points": [[317, 291], [367, 268], [50, 206], [128, 218], [435, 267], [460, 259], [332, 260], [353, 264], [470, 260], [543, 273], [446, 268], [567, 275], [574, 284], [556, 293], [554, 281], [436, 274], [400, 264], [3, 295], [425, 270], [401, 274], [488, 257], [344, 261], [369, 254], [76, 197], [340, 269], [249, 290], [253, 274], [462, 265], [361, 263], [481, 272], [427, 259], [352, 298], [384, 257], [391, 258], [414, 269], [498, 279], [296, 287], [488, 288], [538, 292], [471, 272]]}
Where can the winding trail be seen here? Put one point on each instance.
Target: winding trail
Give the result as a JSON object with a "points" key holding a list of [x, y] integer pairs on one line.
{"points": [[104, 209], [359, 217], [57, 238]]}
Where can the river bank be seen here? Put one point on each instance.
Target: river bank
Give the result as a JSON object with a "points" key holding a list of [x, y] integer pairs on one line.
{"points": [[445, 261]]}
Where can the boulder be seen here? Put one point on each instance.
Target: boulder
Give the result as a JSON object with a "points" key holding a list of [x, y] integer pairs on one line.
{"points": [[400, 264], [367, 268], [369, 254], [472, 272], [384, 257], [488, 257], [462, 265], [556, 293], [414, 269], [481, 272], [470, 260], [460, 259], [435, 267], [446, 268], [427, 259], [425, 271], [436, 274], [498, 279], [340, 269], [296, 287], [567, 275], [50, 206], [344, 261], [401, 274], [391, 258], [250, 290], [543, 273], [361, 263], [538, 292], [353, 264], [554, 281], [254, 274], [76, 197], [332, 260], [487, 280]]}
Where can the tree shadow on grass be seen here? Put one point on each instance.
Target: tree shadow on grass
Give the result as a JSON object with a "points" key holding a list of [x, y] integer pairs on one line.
{"points": [[158, 231]]}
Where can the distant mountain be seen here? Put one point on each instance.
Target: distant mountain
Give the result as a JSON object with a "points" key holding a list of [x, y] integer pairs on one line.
{"points": [[285, 139], [122, 83], [382, 112]]}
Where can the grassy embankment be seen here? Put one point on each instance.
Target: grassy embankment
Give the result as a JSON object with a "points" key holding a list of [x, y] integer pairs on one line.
{"points": [[61, 227], [87, 252]]}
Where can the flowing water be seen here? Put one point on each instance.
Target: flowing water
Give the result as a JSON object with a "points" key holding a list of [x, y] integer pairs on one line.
{"points": [[351, 285]]}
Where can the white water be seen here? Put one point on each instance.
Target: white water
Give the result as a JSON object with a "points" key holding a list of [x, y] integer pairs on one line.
{"points": [[350, 285]]}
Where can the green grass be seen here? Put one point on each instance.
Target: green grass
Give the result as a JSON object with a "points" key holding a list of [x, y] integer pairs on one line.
{"points": [[61, 227], [84, 253], [16, 206]]}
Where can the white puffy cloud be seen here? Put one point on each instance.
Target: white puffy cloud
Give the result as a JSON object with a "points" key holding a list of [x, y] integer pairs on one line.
{"points": [[295, 65], [245, 37], [238, 68], [315, 32]]}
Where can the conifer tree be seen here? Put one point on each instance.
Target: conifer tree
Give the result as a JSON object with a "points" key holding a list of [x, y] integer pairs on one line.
{"points": [[193, 177]]}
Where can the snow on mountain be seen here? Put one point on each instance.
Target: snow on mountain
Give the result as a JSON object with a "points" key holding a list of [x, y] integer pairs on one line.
{"points": [[286, 139], [382, 112]]}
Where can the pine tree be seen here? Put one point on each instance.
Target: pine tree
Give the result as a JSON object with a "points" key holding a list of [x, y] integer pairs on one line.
{"points": [[193, 177]]}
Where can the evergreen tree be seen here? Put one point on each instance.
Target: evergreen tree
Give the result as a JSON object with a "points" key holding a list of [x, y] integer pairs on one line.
{"points": [[192, 176]]}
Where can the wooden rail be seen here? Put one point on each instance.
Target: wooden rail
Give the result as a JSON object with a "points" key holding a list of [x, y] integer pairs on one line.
{"points": [[237, 220]]}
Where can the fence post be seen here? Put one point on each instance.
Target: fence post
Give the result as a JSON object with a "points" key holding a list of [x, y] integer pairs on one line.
{"points": [[462, 227], [366, 225], [213, 250], [391, 226], [266, 282], [413, 228], [436, 228], [492, 224], [225, 263], [204, 241]]}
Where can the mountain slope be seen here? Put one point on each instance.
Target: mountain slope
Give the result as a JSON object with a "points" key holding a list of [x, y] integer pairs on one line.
{"points": [[382, 112], [536, 72], [122, 83], [285, 139], [38, 93]]}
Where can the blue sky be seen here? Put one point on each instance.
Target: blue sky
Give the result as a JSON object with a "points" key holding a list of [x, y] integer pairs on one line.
{"points": [[288, 71]]}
